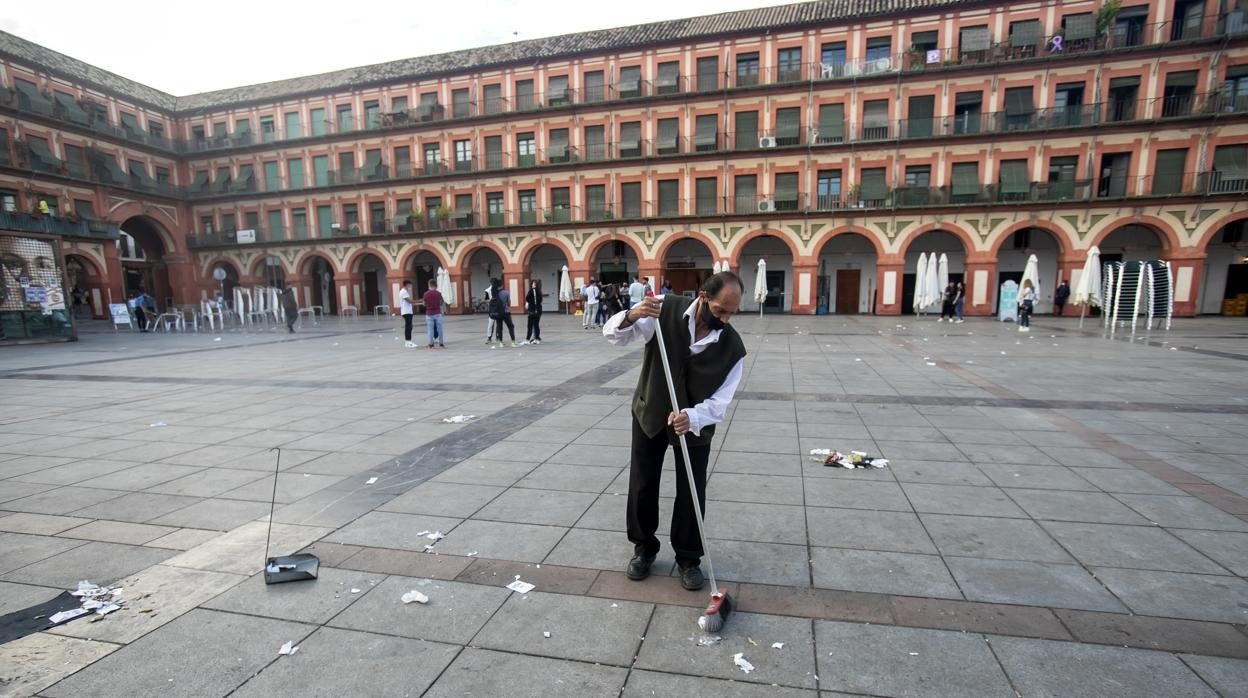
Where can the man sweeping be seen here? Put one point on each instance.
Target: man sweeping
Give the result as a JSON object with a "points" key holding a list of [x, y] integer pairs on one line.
{"points": [[707, 358]]}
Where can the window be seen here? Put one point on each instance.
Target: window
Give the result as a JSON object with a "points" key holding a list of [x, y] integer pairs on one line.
{"points": [[377, 216], [324, 221], [528, 206], [197, 134], [1168, 172], [973, 44], [320, 171], [595, 142], [1230, 168], [524, 94], [595, 86], [560, 205], [630, 139], [596, 202], [403, 161], [831, 126], [1018, 108], [156, 129], [8, 200], [747, 69], [432, 204], [966, 112], [372, 114], [163, 176], [1234, 96], [708, 74], [669, 137], [629, 84], [459, 103], [557, 149], [745, 136], [828, 189], [344, 118], [668, 80], [251, 220], [268, 131], [875, 120], [1078, 32], [879, 48], [494, 152], [1129, 26], [492, 96], [965, 187], [789, 65], [1180, 91], [526, 150], [463, 156], [1061, 177], [276, 227], [346, 167], [706, 133], [924, 42], [919, 176], [82, 207], [206, 225], [494, 209], [272, 176], [316, 121], [630, 199], [398, 105], [917, 190], [1013, 182], [130, 123], [1068, 104], [669, 197], [299, 223], [832, 60], [227, 222], [919, 116], [789, 126], [873, 187], [745, 193], [1024, 36], [464, 211], [706, 193], [429, 108], [373, 168], [293, 129], [200, 183], [223, 180], [433, 158], [785, 194], [75, 158], [557, 94]]}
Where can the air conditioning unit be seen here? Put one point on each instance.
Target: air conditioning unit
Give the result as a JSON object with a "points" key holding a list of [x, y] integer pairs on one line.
{"points": [[766, 206], [767, 142]]}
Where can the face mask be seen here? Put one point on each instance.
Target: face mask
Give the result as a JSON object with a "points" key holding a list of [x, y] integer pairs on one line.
{"points": [[709, 318]]}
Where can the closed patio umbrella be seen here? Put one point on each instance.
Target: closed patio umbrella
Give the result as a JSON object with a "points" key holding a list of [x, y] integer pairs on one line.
{"points": [[1031, 272], [715, 268], [934, 289], [920, 283], [565, 288], [760, 285], [1088, 290], [942, 269]]}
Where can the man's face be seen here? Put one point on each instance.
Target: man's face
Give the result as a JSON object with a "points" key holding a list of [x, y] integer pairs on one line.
{"points": [[724, 304]]}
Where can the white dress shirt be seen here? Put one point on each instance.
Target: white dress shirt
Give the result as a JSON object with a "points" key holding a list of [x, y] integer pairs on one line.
{"points": [[636, 292], [711, 410], [405, 302], [591, 293]]}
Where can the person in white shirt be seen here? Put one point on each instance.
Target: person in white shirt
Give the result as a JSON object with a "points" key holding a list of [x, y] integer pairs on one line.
{"points": [[489, 303], [636, 291], [707, 360], [591, 304], [405, 309]]}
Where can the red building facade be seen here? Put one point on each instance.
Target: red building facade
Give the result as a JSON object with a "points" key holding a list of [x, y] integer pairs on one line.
{"points": [[837, 148]]}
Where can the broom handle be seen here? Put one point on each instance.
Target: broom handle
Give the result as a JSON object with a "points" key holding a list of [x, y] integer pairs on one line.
{"points": [[684, 451], [277, 469]]}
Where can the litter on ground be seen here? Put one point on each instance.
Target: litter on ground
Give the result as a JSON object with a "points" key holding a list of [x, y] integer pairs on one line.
{"points": [[371, 480], [288, 648], [546, 633], [777, 645], [416, 596], [742, 663], [854, 459], [521, 587], [460, 418], [157, 424]]}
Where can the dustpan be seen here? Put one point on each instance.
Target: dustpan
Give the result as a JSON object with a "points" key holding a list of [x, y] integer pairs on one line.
{"points": [[286, 568]]}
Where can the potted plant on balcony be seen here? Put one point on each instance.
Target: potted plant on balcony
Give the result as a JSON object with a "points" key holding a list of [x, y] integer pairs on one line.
{"points": [[1106, 15], [443, 213], [413, 219], [916, 58]]}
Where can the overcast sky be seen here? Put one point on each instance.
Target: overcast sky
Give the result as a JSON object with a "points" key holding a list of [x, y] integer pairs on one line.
{"points": [[183, 47]]}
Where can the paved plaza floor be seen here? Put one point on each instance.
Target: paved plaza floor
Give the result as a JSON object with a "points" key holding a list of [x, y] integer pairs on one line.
{"points": [[1064, 514]]}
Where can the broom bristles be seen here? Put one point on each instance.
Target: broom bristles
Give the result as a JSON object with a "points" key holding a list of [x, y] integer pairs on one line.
{"points": [[717, 613]]}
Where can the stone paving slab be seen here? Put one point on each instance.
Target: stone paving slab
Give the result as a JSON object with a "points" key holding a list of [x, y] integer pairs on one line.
{"points": [[305, 603], [454, 614], [229, 647], [1228, 677], [39, 524], [490, 673], [32, 663], [104, 562], [1049, 668], [581, 628]]}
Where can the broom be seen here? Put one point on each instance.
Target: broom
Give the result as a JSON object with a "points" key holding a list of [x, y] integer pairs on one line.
{"points": [[717, 611]]}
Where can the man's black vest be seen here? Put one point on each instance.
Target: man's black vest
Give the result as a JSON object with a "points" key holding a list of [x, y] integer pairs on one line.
{"points": [[697, 377]]}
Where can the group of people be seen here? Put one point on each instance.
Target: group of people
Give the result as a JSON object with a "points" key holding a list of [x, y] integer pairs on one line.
{"points": [[605, 300], [498, 307], [952, 301], [432, 298]]}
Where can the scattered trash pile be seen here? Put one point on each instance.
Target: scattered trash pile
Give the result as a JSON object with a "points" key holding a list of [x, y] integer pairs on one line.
{"points": [[95, 599], [738, 659], [459, 419], [854, 459]]}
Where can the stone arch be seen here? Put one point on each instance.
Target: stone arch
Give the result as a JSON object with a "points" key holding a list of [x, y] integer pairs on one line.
{"points": [[307, 256], [352, 265], [1166, 235], [226, 286], [128, 210], [968, 242], [847, 270], [1222, 262], [668, 241], [781, 272], [1212, 229], [408, 259], [525, 253], [596, 244], [817, 245], [545, 269], [734, 252], [145, 266], [699, 263], [464, 253], [256, 267], [1062, 238]]}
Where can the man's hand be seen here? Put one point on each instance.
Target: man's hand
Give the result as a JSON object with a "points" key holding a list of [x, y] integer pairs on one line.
{"points": [[678, 421], [648, 307]]}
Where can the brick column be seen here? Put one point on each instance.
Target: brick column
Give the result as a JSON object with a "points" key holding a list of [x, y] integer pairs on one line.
{"points": [[113, 276], [345, 290], [1186, 266], [805, 286], [514, 280], [889, 272], [980, 277], [394, 284], [462, 305]]}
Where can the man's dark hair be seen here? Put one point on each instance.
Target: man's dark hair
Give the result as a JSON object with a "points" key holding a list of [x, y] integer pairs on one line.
{"points": [[407, 282], [433, 283], [716, 282]]}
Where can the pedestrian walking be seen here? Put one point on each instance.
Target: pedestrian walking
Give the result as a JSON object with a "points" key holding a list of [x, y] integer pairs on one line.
{"points": [[946, 302], [592, 294], [406, 310], [959, 301], [433, 315], [290, 308], [533, 309], [1026, 304], [707, 358], [489, 306], [1060, 296], [502, 315]]}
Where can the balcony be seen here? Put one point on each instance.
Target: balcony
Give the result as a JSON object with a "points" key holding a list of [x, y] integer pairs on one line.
{"points": [[58, 225]]}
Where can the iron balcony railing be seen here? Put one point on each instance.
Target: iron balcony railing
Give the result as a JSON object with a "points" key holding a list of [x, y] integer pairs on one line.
{"points": [[58, 225]]}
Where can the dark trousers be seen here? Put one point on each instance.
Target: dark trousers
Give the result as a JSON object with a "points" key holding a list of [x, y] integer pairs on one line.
{"points": [[511, 328], [644, 474], [1060, 307], [407, 327], [534, 330]]}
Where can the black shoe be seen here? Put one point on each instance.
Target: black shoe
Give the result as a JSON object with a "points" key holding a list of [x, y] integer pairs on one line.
{"points": [[691, 577], [639, 567]]}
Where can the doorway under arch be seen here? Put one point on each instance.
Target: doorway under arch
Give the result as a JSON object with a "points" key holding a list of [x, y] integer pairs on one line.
{"points": [[932, 242], [225, 286], [686, 264], [142, 250], [847, 280], [371, 291], [545, 265], [779, 273], [1012, 260], [320, 275], [423, 270], [482, 265]]}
